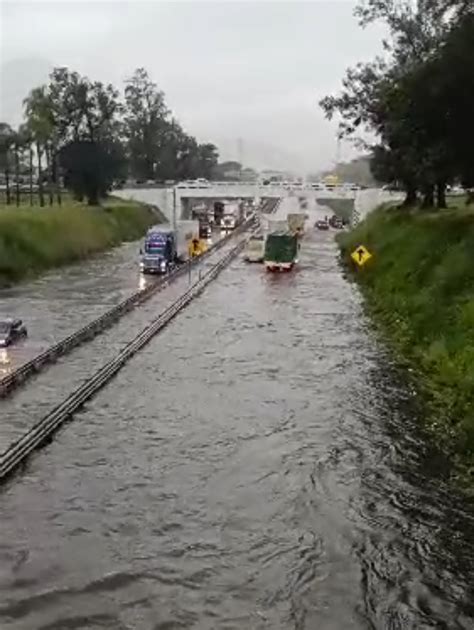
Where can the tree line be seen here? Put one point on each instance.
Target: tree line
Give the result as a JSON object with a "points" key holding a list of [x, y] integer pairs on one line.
{"points": [[418, 98], [87, 136]]}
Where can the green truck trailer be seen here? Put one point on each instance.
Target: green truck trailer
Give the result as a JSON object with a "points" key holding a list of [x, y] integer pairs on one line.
{"points": [[281, 251]]}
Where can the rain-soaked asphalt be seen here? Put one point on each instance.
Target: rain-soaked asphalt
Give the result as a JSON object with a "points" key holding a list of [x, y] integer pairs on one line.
{"points": [[257, 466], [62, 301], [29, 404]]}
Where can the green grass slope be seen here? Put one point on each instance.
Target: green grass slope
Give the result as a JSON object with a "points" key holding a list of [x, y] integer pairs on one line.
{"points": [[419, 287], [34, 239]]}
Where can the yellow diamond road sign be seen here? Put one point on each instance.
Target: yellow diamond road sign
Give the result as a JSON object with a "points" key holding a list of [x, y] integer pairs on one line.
{"points": [[361, 255]]}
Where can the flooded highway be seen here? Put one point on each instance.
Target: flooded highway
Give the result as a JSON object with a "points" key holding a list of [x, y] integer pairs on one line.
{"points": [[257, 466], [28, 405], [63, 300]]}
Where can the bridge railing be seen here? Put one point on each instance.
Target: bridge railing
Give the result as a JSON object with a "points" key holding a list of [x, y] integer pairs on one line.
{"points": [[274, 187]]}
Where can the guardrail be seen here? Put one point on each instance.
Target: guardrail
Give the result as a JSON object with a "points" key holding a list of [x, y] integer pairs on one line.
{"points": [[270, 206], [18, 452], [27, 370]]}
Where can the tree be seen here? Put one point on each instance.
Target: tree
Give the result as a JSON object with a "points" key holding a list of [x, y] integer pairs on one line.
{"points": [[146, 120], [73, 119], [70, 112], [208, 157], [81, 109], [91, 167], [168, 150], [83, 112], [373, 99], [27, 141], [454, 68], [227, 171], [41, 124], [19, 143], [187, 158], [6, 142], [414, 101], [415, 26]]}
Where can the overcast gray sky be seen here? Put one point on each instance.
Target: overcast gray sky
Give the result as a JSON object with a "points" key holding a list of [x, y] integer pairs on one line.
{"points": [[249, 70]]}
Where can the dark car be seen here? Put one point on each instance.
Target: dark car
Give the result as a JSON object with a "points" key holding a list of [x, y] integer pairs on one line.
{"points": [[10, 331], [322, 224]]}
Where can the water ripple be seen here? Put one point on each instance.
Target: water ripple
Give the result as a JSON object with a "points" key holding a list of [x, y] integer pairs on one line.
{"points": [[258, 466]]}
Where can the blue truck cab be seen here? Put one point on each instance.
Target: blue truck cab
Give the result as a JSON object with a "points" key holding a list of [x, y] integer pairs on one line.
{"points": [[158, 254]]}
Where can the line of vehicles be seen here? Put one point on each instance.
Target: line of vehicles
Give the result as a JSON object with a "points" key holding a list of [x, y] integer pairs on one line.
{"points": [[277, 245], [334, 222], [166, 247]]}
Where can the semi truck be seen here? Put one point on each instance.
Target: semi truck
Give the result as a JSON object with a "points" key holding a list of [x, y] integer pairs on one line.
{"points": [[218, 213], [164, 247], [201, 214], [205, 230], [281, 251], [233, 213]]}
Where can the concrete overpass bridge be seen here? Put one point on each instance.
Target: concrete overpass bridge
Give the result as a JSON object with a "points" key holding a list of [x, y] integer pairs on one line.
{"points": [[180, 198]]}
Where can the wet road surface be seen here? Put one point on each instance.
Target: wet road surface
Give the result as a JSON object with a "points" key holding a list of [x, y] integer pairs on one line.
{"points": [[257, 466], [62, 301], [27, 405]]}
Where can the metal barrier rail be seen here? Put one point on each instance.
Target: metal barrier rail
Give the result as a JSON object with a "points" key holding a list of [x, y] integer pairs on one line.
{"points": [[95, 327], [271, 205], [344, 190], [17, 452]]}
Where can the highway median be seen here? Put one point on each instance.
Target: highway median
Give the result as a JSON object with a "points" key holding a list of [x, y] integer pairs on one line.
{"points": [[419, 290], [33, 239]]}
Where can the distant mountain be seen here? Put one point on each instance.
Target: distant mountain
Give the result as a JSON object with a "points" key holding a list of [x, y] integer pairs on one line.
{"points": [[17, 78]]}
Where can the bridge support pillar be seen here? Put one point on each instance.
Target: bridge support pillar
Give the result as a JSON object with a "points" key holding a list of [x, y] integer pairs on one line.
{"points": [[183, 209]]}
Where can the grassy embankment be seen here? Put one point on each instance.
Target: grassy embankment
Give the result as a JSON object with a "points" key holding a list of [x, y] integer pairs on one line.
{"points": [[34, 239], [419, 288]]}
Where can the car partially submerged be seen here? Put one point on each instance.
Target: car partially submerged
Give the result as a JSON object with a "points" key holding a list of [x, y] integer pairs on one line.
{"points": [[11, 330]]}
